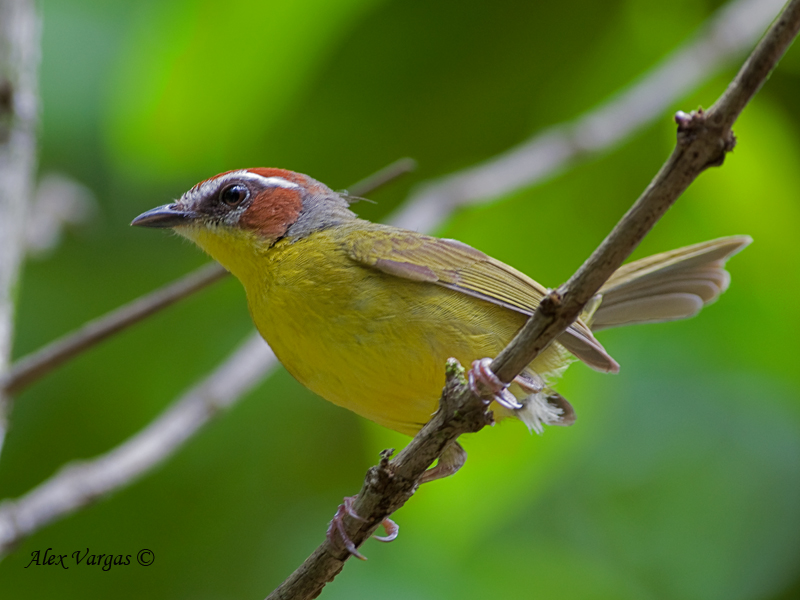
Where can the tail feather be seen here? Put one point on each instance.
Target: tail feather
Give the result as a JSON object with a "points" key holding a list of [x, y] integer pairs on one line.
{"points": [[668, 286]]}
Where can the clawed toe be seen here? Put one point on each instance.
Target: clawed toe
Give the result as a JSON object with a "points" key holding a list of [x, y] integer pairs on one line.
{"points": [[337, 526], [392, 529], [480, 375]]}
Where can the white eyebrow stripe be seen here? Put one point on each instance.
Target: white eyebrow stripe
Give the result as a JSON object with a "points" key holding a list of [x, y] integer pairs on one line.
{"points": [[278, 182], [267, 181], [212, 186]]}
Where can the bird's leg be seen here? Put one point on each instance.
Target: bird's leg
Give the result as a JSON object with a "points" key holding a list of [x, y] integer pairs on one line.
{"points": [[337, 526], [481, 376], [451, 460]]}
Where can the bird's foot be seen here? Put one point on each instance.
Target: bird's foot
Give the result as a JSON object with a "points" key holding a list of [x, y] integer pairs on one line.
{"points": [[481, 376], [337, 526]]}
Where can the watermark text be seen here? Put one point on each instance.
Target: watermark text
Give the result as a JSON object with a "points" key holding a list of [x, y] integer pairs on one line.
{"points": [[79, 558]]}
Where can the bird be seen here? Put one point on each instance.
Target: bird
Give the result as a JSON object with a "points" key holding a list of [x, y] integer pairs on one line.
{"points": [[366, 315]]}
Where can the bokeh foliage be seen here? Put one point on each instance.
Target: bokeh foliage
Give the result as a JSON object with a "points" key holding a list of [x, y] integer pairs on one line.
{"points": [[681, 478]]}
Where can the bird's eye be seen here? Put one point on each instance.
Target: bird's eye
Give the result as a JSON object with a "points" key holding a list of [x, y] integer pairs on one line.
{"points": [[234, 194]]}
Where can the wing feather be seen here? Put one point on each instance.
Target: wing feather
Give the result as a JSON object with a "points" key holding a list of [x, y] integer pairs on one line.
{"points": [[459, 267]]}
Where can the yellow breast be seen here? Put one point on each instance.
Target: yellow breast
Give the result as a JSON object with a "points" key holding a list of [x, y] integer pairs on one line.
{"points": [[363, 339], [370, 342]]}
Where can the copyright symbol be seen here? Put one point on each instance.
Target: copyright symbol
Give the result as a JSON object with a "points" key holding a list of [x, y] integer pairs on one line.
{"points": [[145, 557]]}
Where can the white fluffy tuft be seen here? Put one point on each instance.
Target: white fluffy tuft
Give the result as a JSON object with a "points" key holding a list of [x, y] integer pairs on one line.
{"points": [[537, 412]]}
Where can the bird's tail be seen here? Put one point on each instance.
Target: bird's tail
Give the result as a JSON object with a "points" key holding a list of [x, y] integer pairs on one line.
{"points": [[665, 287], [668, 286]]}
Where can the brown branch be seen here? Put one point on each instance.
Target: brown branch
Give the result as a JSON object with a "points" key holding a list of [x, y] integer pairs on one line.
{"points": [[390, 484], [703, 140], [757, 68]]}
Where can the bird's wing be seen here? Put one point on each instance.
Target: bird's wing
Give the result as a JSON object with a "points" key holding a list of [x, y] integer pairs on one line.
{"points": [[457, 266]]}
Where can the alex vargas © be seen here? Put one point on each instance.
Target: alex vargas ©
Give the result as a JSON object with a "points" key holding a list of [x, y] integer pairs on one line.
{"points": [[52, 559]]}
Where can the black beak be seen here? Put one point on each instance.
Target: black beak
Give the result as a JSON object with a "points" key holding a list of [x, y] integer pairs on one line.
{"points": [[169, 215]]}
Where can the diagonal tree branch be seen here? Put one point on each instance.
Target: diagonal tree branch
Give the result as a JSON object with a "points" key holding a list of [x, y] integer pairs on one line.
{"points": [[36, 365], [703, 141], [390, 484], [71, 489]]}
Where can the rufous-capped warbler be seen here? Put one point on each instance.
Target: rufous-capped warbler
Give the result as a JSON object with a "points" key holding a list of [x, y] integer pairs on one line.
{"points": [[366, 315]]}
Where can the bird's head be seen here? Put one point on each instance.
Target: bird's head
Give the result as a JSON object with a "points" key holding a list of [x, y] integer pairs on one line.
{"points": [[250, 208]]}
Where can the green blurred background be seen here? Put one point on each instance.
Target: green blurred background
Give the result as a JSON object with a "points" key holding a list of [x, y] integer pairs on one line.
{"points": [[681, 478]]}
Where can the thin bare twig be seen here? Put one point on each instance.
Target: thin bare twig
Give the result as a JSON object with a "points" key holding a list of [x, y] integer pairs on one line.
{"points": [[19, 63], [730, 32], [703, 140], [34, 366], [390, 172]]}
